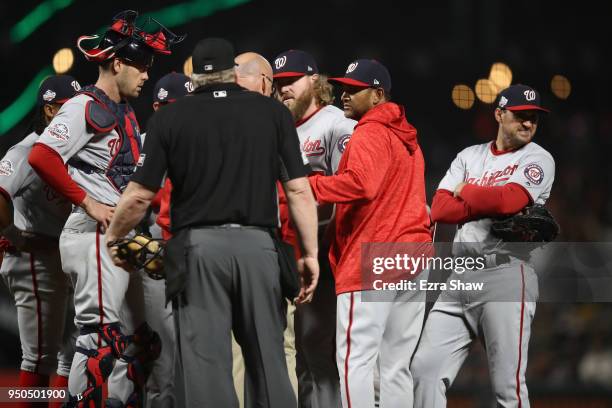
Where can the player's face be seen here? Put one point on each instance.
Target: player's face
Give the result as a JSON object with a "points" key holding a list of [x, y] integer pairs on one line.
{"points": [[518, 127], [131, 78], [356, 101], [296, 93]]}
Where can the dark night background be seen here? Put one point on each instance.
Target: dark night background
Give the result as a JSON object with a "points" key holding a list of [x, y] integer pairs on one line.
{"points": [[428, 47]]}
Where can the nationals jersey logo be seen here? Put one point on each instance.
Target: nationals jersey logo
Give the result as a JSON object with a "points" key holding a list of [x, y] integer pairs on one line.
{"points": [[113, 147], [343, 142], [312, 148], [534, 173], [6, 168], [189, 86], [490, 179], [59, 131]]}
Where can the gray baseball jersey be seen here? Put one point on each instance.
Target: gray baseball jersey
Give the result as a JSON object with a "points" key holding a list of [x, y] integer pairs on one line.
{"points": [[530, 166], [323, 138], [501, 311], [69, 136], [39, 286], [38, 208]]}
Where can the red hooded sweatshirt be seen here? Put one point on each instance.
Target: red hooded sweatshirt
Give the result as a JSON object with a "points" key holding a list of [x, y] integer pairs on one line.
{"points": [[379, 189]]}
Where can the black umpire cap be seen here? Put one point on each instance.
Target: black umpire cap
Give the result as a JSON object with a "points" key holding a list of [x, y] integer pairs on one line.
{"points": [[171, 86], [212, 55], [57, 89]]}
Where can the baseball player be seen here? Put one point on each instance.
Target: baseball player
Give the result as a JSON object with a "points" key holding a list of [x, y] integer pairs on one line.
{"points": [[32, 215], [324, 133], [484, 181], [159, 385], [379, 191], [97, 135]]}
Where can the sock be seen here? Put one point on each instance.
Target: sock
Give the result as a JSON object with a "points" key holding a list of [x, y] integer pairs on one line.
{"points": [[59, 381], [28, 379]]}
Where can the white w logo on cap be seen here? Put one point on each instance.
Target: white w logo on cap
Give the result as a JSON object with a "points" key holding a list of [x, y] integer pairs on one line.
{"points": [[280, 62], [351, 67], [530, 95]]}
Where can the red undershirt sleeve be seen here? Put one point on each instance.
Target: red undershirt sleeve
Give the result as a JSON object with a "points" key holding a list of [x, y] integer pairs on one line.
{"points": [[448, 209], [495, 200], [50, 167]]}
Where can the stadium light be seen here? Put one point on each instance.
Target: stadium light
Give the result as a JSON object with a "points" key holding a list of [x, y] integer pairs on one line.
{"points": [[500, 75], [561, 86], [463, 96], [63, 60], [486, 90]]}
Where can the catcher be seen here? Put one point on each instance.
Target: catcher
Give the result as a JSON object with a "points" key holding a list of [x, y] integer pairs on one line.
{"points": [[486, 182]]}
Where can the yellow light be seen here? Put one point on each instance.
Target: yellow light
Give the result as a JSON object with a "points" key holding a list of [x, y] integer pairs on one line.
{"points": [[63, 60], [486, 90], [561, 86], [188, 67], [500, 75], [463, 96]]}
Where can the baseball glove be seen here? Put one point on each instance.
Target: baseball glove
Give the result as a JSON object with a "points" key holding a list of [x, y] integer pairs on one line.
{"points": [[534, 224], [142, 252]]}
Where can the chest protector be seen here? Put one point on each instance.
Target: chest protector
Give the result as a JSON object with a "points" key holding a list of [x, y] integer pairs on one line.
{"points": [[103, 115]]}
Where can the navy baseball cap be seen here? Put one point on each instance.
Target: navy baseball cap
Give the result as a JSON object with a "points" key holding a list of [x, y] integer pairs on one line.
{"points": [[57, 89], [294, 63], [171, 86], [367, 73], [212, 55], [520, 97]]}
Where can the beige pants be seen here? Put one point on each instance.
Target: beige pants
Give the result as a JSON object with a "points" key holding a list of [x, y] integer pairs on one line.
{"points": [[238, 369]]}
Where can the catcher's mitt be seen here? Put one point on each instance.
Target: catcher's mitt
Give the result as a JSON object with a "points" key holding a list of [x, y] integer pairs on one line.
{"points": [[142, 252], [534, 224]]}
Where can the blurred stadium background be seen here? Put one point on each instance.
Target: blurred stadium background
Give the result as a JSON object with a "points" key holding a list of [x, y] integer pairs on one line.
{"points": [[448, 60]]}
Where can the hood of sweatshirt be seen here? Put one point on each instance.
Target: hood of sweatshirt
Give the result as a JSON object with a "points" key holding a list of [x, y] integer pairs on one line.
{"points": [[391, 115]]}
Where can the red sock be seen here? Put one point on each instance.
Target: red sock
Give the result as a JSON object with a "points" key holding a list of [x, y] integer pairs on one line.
{"points": [[58, 381], [28, 379]]}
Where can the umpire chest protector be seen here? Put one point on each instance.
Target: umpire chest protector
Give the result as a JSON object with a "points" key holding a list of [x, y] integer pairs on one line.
{"points": [[103, 115]]}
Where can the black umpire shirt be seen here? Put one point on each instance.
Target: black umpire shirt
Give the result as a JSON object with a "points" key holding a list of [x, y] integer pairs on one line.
{"points": [[220, 147]]}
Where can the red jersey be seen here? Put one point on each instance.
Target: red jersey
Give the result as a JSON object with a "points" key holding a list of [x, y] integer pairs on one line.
{"points": [[379, 191]]}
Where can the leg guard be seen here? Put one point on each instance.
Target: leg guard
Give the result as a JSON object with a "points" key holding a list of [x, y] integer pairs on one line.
{"points": [[99, 366]]}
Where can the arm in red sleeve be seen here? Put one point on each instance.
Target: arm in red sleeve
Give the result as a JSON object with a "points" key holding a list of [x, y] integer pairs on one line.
{"points": [[361, 176], [495, 200], [50, 167], [448, 209]]}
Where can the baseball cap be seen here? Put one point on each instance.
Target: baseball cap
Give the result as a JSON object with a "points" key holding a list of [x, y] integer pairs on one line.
{"points": [[520, 97], [367, 73], [212, 55], [294, 63], [171, 86], [57, 89]]}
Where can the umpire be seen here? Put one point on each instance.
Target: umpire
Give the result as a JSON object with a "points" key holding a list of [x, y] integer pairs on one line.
{"points": [[220, 148]]}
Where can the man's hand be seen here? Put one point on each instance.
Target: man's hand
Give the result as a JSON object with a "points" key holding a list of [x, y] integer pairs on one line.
{"points": [[98, 211], [308, 268], [458, 189], [113, 251]]}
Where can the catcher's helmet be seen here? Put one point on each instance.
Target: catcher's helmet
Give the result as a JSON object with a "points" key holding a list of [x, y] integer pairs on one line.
{"points": [[124, 39]]}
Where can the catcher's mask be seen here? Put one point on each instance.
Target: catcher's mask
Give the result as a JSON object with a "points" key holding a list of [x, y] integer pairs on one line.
{"points": [[125, 39]]}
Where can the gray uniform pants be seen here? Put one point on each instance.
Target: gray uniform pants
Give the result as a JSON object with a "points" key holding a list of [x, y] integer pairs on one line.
{"points": [[500, 315], [232, 284]]}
